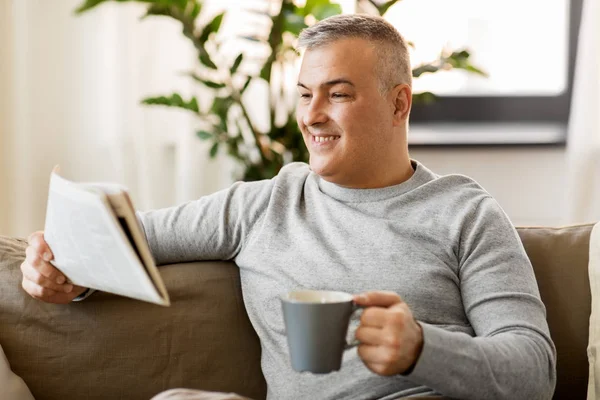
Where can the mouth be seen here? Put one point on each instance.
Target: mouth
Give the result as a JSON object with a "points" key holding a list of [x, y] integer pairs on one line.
{"points": [[324, 139]]}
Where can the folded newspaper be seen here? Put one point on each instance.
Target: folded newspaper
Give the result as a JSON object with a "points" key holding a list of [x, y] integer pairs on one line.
{"points": [[98, 242]]}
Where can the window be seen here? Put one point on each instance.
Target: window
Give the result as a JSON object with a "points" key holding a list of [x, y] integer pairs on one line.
{"points": [[527, 47]]}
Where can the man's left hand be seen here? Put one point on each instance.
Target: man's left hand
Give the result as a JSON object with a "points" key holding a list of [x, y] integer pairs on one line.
{"points": [[390, 338]]}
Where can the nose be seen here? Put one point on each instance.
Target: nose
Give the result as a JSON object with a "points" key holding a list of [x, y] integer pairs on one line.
{"points": [[315, 112]]}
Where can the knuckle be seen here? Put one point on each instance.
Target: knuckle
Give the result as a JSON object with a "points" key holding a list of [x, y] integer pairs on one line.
{"points": [[29, 252], [392, 341], [37, 278], [389, 357], [24, 285], [378, 369], [24, 267], [33, 237], [36, 262], [45, 292], [395, 317], [359, 334], [32, 256], [31, 289], [35, 291], [367, 314]]}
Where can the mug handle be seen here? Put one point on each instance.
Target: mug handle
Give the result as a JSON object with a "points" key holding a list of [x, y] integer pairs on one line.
{"points": [[355, 342]]}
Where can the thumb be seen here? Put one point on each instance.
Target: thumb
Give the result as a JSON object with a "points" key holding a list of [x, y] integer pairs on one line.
{"points": [[377, 299]]}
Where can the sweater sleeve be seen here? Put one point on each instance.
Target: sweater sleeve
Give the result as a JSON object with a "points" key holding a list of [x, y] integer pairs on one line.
{"points": [[512, 355], [213, 227]]}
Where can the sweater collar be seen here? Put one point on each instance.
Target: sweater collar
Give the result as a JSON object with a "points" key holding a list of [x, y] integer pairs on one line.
{"points": [[421, 176]]}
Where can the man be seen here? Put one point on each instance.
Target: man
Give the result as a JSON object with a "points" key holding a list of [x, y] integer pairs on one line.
{"points": [[457, 311]]}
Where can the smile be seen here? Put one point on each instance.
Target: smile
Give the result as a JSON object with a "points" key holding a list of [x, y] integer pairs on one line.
{"points": [[322, 139]]}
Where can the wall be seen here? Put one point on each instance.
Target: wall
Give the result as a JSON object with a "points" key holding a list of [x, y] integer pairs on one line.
{"points": [[5, 97], [527, 182]]}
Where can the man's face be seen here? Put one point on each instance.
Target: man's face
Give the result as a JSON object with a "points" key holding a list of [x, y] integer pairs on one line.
{"points": [[346, 123]]}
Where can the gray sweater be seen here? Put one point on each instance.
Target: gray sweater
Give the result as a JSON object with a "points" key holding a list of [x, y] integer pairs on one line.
{"points": [[440, 242]]}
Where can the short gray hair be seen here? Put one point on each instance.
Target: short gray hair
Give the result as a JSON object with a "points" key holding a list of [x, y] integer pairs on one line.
{"points": [[393, 67]]}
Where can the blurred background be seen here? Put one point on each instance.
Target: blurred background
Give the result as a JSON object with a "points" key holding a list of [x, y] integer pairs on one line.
{"points": [[508, 93]]}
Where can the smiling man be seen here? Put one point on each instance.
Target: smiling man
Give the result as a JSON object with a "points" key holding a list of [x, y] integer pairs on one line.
{"points": [[451, 303]]}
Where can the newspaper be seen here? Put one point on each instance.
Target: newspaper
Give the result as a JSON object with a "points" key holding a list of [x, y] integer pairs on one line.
{"points": [[98, 242]]}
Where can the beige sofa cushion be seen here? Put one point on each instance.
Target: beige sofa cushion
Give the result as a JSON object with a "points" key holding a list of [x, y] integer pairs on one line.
{"points": [[594, 342], [560, 262], [111, 347]]}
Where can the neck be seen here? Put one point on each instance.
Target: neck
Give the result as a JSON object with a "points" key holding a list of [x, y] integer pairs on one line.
{"points": [[392, 174]]}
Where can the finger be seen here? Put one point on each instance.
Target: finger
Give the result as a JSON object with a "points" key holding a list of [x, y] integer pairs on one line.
{"points": [[375, 317], [368, 335], [374, 354], [45, 268], [36, 277], [377, 298], [33, 236], [48, 295], [37, 291], [37, 241]]}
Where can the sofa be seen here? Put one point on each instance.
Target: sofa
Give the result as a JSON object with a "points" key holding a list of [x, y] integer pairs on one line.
{"points": [[111, 347]]}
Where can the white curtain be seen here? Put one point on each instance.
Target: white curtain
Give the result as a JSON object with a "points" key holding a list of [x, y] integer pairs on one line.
{"points": [[71, 89], [583, 149]]}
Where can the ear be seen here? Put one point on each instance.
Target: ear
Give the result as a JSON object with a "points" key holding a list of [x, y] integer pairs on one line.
{"points": [[402, 103]]}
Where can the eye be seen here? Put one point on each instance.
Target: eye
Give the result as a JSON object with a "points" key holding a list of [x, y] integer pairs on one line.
{"points": [[339, 95], [304, 95]]}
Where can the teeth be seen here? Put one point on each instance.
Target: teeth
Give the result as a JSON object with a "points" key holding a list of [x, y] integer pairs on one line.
{"points": [[321, 139]]}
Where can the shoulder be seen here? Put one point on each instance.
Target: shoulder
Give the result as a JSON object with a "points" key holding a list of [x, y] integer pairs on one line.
{"points": [[294, 171], [453, 188], [291, 176]]}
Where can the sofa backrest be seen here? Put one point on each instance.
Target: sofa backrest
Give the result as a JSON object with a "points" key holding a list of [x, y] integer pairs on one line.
{"points": [[560, 262], [112, 347]]}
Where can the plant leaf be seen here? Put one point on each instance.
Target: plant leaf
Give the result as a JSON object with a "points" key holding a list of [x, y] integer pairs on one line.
{"points": [[214, 149], [475, 70], [423, 68], [210, 84], [178, 3], [206, 60], [323, 11], [311, 4], [220, 106], [382, 8], [246, 84], [213, 85], [293, 23], [265, 72], [423, 98], [196, 10], [174, 100], [158, 9], [236, 63], [204, 135], [88, 5], [211, 27]]}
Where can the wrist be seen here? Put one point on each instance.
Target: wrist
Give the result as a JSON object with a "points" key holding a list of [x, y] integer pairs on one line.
{"points": [[418, 349]]}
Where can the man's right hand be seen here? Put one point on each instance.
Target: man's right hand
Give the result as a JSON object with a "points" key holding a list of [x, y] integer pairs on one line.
{"points": [[41, 279]]}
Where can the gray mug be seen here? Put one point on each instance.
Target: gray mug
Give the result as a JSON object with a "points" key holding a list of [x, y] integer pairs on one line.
{"points": [[316, 324]]}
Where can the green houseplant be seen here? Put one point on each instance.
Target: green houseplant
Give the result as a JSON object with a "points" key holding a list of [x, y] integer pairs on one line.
{"points": [[227, 123]]}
